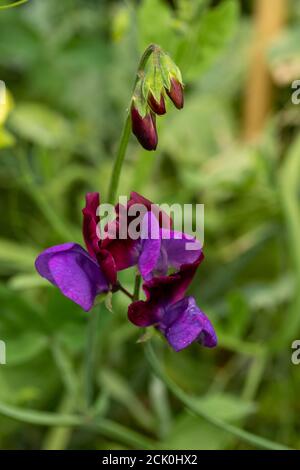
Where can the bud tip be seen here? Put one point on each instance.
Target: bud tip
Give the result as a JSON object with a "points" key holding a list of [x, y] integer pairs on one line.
{"points": [[176, 93], [144, 128]]}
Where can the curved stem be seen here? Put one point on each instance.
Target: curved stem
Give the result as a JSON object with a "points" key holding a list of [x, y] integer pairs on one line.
{"points": [[125, 291], [65, 367], [150, 49], [115, 177], [90, 356], [104, 426], [196, 408], [12, 5]]}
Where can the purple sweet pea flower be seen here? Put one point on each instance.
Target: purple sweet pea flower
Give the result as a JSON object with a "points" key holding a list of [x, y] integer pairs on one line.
{"points": [[81, 275], [176, 316]]}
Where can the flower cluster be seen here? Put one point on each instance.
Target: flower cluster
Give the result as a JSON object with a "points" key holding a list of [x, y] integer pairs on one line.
{"points": [[160, 78], [166, 259]]}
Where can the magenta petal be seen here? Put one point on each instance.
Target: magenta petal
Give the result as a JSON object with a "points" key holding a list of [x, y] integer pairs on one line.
{"points": [[124, 252], [108, 266], [150, 245], [143, 314], [90, 221], [164, 220], [157, 107], [144, 128], [176, 93], [186, 324], [74, 272]]}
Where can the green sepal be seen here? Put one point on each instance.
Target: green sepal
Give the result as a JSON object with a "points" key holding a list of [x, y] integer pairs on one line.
{"points": [[169, 70], [154, 81], [100, 298], [146, 336], [108, 302], [106, 298], [139, 98]]}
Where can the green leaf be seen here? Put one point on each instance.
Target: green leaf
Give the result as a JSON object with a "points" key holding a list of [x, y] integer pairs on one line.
{"points": [[183, 131], [208, 38], [25, 347], [40, 124], [16, 256], [227, 407], [189, 432], [26, 281], [155, 25]]}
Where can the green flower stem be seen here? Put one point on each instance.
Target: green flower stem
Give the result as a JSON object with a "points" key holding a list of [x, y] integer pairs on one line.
{"points": [[90, 355], [125, 291], [137, 285], [144, 59], [65, 368], [12, 5], [105, 427], [194, 406], [115, 177]]}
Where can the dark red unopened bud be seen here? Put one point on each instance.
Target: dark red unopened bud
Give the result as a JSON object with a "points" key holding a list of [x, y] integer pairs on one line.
{"points": [[144, 128], [176, 93], [158, 107]]}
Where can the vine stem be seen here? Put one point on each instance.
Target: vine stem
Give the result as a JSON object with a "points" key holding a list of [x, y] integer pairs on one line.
{"points": [[194, 406], [12, 5], [115, 177], [106, 427], [116, 172], [125, 291], [90, 355]]}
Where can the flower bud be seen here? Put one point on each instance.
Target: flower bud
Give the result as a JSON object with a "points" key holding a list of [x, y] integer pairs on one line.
{"points": [[175, 93], [172, 80], [159, 77], [144, 128], [157, 107]]}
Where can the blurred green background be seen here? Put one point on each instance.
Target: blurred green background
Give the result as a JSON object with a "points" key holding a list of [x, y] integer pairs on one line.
{"points": [[69, 67]]}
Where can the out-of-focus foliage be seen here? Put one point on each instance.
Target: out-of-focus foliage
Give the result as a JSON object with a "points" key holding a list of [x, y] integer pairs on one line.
{"points": [[69, 67]]}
